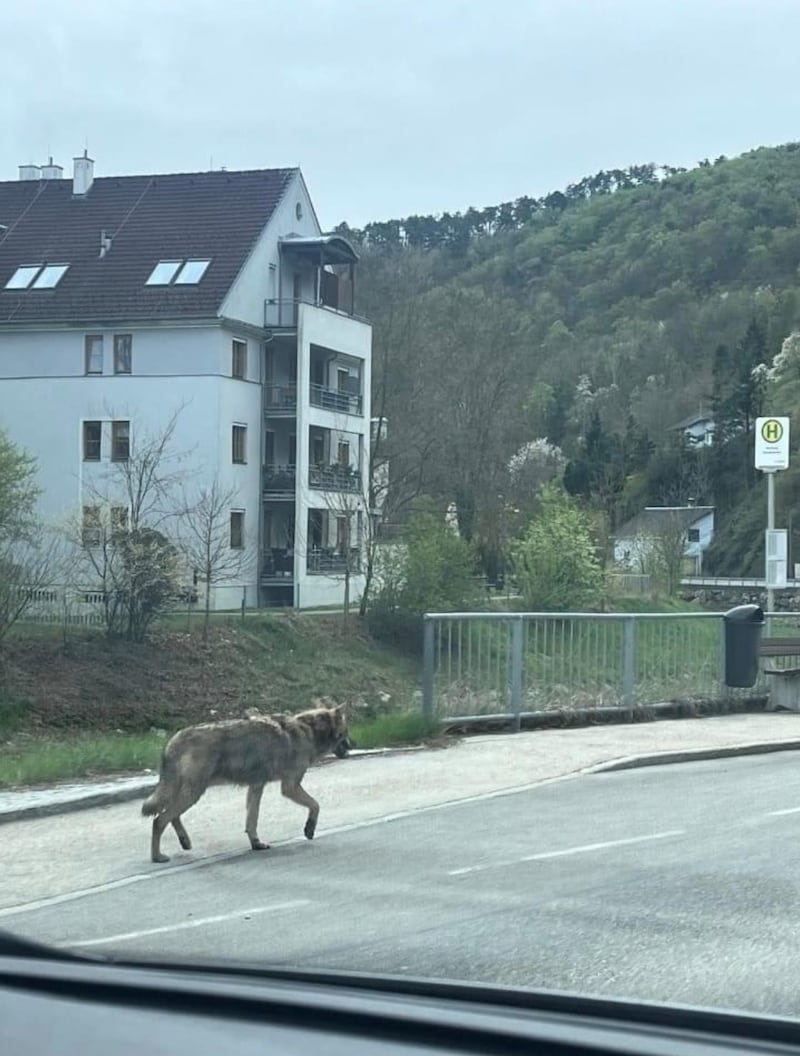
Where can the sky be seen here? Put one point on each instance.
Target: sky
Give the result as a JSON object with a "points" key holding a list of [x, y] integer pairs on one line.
{"points": [[395, 107]]}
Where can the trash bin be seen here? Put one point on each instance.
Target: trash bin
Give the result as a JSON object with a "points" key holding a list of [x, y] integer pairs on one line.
{"points": [[743, 627]]}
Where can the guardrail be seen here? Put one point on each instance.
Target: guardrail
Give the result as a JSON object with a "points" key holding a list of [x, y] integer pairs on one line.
{"points": [[506, 665]]}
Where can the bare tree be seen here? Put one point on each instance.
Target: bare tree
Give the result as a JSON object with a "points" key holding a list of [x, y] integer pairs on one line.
{"points": [[208, 539], [661, 551], [29, 572], [120, 533]]}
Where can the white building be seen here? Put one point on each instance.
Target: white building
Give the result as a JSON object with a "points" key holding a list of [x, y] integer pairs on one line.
{"points": [[691, 525], [213, 294], [697, 428]]}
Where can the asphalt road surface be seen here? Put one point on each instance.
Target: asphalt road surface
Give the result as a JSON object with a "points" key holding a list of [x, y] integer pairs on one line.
{"points": [[675, 883]]}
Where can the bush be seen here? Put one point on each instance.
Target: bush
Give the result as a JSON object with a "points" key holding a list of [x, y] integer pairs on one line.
{"points": [[555, 562], [433, 570]]}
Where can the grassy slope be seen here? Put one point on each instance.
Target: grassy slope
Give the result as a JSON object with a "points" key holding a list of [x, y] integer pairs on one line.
{"points": [[89, 684]]}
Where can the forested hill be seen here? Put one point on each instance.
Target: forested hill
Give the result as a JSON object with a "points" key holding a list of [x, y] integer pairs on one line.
{"points": [[597, 318]]}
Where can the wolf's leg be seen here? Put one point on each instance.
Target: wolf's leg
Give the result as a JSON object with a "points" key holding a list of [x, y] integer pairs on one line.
{"points": [[182, 834], [251, 821], [159, 824], [172, 815], [294, 790]]}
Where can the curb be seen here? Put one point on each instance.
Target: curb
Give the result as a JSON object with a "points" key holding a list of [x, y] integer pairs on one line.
{"points": [[694, 755], [144, 788]]}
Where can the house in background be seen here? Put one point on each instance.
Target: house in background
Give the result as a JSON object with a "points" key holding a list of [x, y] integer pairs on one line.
{"points": [[691, 526], [125, 298], [698, 428]]}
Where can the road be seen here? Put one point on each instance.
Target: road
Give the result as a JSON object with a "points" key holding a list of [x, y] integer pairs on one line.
{"points": [[674, 883]]}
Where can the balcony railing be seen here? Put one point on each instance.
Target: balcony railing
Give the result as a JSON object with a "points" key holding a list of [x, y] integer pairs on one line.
{"points": [[336, 400], [328, 562], [334, 478], [278, 480], [282, 314], [277, 566], [280, 398]]}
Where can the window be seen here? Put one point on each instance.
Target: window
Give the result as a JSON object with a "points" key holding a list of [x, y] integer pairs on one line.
{"points": [[177, 272], [268, 529], [693, 535], [239, 359], [91, 530], [239, 443], [123, 345], [343, 454], [119, 520], [163, 273], [191, 272], [50, 276], [92, 441], [93, 346], [237, 529], [342, 534], [23, 277], [120, 441], [343, 379], [269, 447], [292, 449]]}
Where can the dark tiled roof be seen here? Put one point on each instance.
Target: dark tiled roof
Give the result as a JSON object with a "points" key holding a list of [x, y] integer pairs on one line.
{"points": [[215, 215]]}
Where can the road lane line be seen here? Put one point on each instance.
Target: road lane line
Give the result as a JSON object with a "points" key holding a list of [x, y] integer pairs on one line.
{"points": [[185, 925], [567, 851], [780, 813]]}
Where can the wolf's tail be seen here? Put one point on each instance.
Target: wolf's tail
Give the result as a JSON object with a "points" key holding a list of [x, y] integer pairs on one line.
{"points": [[154, 802]]}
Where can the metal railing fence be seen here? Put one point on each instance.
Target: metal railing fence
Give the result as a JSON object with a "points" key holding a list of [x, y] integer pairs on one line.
{"points": [[481, 665]]}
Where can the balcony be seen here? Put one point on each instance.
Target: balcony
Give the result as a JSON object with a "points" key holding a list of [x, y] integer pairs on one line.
{"points": [[328, 562], [278, 482], [277, 566], [280, 400], [334, 478], [281, 314], [338, 400]]}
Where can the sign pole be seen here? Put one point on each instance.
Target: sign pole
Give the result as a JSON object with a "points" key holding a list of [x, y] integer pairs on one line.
{"points": [[770, 527]]}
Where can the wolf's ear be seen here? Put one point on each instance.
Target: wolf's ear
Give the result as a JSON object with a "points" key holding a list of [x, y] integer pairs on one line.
{"points": [[339, 709]]}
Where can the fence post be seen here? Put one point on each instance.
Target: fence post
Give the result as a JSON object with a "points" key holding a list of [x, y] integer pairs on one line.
{"points": [[427, 667], [628, 661], [515, 681]]}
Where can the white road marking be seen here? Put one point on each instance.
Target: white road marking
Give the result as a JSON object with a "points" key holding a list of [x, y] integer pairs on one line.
{"points": [[780, 813], [164, 873], [199, 923], [567, 851]]}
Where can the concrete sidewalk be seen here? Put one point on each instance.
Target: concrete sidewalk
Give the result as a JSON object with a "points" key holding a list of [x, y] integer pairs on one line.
{"points": [[479, 765]]}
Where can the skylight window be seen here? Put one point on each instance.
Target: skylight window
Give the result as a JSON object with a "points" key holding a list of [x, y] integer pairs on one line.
{"points": [[191, 272], [163, 273], [23, 277], [50, 276]]}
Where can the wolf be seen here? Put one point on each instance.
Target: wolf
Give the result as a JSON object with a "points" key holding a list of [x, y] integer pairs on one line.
{"points": [[251, 752]]}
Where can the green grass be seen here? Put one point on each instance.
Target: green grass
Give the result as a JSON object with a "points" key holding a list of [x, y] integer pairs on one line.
{"points": [[52, 760], [411, 727], [42, 761]]}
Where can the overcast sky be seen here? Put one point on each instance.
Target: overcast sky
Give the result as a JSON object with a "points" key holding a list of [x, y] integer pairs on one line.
{"points": [[393, 107]]}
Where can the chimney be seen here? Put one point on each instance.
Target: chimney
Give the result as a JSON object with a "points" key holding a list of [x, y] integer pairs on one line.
{"points": [[30, 172], [105, 243], [51, 171], [82, 175], [691, 501]]}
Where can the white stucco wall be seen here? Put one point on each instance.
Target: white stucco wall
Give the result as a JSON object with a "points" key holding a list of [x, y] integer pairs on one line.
{"points": [[256, 283], [47, 422]]}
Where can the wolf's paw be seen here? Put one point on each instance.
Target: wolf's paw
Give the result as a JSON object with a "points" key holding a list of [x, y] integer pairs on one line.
{"points": [[259, 845], [160, 857], [310, 828]]}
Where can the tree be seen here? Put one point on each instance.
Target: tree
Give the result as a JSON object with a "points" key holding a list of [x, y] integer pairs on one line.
{"points": [[29, 556], [555, 563], [432, 569], [204, 534], [119, 534], [663, 549]]}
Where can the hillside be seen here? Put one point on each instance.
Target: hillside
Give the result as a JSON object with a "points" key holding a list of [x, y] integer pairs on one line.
{"points": [[597, 318], [85, 682]]}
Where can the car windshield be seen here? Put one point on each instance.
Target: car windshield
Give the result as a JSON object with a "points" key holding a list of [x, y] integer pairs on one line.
{"points": [[397, 490]]}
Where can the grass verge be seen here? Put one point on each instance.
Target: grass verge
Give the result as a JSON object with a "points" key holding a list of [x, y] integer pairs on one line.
{"points": [[42, 761]]}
